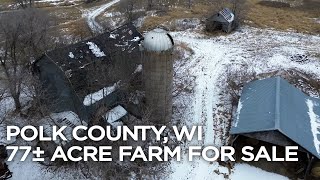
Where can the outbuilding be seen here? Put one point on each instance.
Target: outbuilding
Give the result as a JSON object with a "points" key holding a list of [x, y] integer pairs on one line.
{"points": [[223, 20], [272, 111]]}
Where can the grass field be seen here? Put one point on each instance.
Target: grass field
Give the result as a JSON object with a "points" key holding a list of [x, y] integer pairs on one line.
{"points": [[298, 19]]}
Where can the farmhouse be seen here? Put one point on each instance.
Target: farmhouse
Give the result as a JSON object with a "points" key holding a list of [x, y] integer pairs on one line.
{"points": [[223, 20], [86, 75], [273, 111]]}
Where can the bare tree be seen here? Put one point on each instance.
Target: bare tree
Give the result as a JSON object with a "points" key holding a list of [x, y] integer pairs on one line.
{"points": [[25, 35], [150, 5], [240, 9], [190, 3], [127, 7]]}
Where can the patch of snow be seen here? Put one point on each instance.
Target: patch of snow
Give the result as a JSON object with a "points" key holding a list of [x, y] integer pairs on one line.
{"points": [[139, 22], [58, 2], [95, 49], [6, 106], [31, 170], [97, 96], [238, 113], [67, 118], [194, 170], [223, 170], [112, 14], [135, 39], [114, 115], [185, 23], [138, 69], [245, 171], [71, 55], [315, 124], [113, 36]]}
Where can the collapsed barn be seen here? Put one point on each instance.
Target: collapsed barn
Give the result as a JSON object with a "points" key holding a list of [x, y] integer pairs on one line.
{"points": [[114, 78], [223, 20], [86, 75], [273, 112]]}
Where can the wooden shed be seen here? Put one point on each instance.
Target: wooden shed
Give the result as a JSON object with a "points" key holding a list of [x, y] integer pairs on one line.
{"points": [[223, 20]]}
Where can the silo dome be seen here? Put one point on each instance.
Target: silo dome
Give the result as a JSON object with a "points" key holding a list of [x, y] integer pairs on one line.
{"points": [[157, 40]]}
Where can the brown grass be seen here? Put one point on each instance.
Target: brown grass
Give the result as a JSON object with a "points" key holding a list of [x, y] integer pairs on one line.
{"points": [[6, 1], [64, 14], [78, 29], [4, 5], [299, 19], [198, 11]]}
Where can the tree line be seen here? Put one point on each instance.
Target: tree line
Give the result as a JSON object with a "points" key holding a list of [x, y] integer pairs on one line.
{"points": [[24, 37]]}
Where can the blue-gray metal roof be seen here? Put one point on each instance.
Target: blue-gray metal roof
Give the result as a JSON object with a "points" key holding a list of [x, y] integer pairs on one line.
{"points": [[274, 104]]}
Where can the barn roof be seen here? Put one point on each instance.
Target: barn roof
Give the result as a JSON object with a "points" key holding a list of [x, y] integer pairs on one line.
{"points": [[124, 39], [95, 63], [275, 105]]}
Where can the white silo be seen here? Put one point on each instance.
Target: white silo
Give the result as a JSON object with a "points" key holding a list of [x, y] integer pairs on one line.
{"points": [[158, 74]]}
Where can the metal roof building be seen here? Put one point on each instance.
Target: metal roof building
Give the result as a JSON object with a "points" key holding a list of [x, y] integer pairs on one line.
{"points": [[274, 111]]}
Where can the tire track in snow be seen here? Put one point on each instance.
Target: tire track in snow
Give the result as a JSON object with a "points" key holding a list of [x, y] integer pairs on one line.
{"points": [[91, 16], [208, 66], [206, 90]]}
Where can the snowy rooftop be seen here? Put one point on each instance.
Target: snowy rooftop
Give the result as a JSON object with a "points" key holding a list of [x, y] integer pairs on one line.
{"points": [[114, 115], [93, 61], [97, 96], [124, 39], [273, 104]]}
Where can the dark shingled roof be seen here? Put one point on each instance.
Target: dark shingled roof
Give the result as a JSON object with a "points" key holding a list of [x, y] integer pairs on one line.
{"points": [[112, 57], [124, 39], [275, 105]]}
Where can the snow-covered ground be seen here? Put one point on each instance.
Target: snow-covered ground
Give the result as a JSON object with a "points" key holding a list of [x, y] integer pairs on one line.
{"points": [[256, 50], [91, 15], [33, 171], [59, 2]]}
